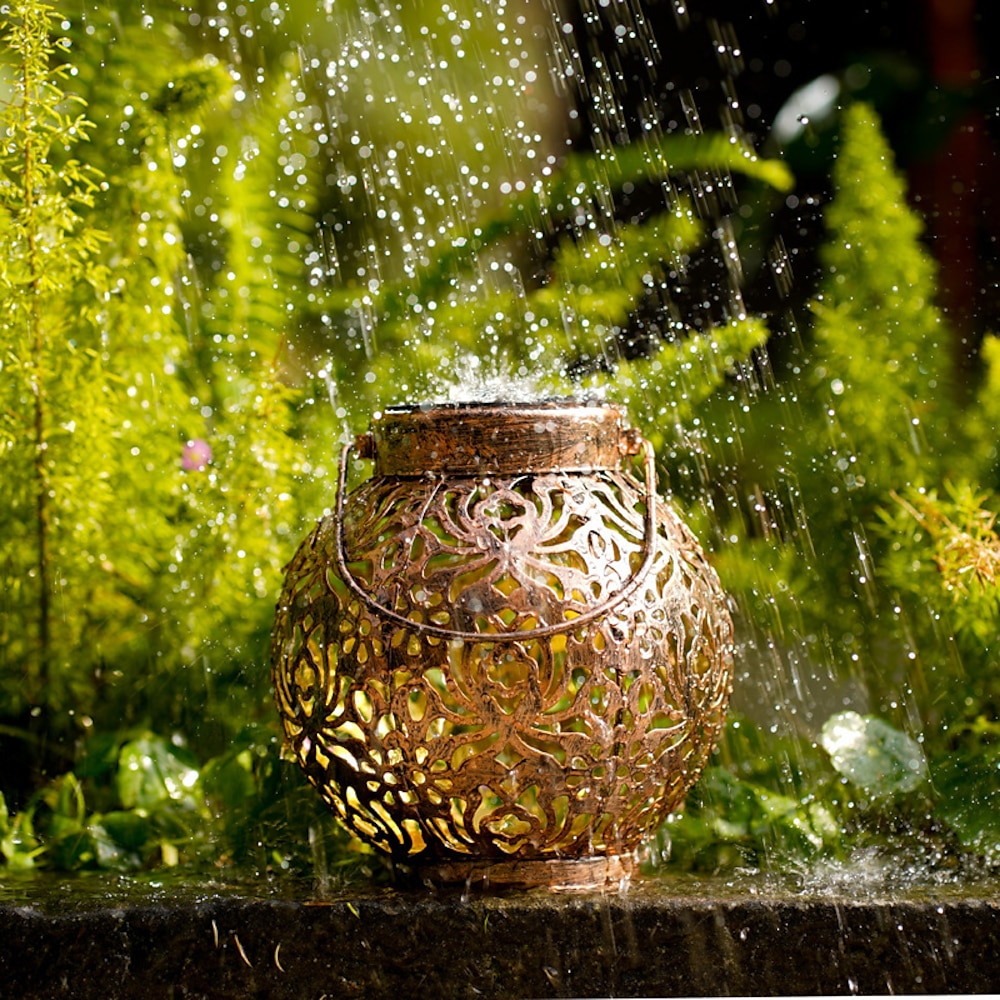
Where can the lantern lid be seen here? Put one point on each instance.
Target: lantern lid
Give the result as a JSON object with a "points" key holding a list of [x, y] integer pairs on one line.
{"points": [[501, 438]]}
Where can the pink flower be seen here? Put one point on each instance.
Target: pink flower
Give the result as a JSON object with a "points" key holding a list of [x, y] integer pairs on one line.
{"points": [[196, 455]]}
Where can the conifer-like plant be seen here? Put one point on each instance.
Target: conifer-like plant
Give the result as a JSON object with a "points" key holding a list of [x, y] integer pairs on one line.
{"points": [[148, 462], [880, 338], [871, 545], [54, 412]]}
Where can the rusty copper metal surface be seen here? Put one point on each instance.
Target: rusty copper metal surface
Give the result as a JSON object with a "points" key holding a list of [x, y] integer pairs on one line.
{"points": [[597, 872], [469, 439], [513, 667]]}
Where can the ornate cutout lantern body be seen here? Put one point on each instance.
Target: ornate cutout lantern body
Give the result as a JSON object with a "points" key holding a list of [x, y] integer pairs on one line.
{"points": [[503, 652]]}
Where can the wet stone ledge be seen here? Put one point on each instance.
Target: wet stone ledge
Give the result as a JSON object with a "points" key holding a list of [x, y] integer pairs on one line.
{"points": [[214, 942]]}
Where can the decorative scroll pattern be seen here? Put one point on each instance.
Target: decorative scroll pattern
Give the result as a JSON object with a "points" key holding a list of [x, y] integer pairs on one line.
{"points": [[576, 744]]}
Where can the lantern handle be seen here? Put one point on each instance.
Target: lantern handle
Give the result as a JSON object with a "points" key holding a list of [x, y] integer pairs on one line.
{"points": [[428, 628]]}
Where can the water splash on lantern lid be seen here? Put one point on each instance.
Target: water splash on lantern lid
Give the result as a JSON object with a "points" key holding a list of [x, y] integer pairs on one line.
{"points": [[573, 435]]}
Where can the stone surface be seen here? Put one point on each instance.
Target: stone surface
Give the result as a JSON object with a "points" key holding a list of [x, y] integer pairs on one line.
{"points": [[222, 942]]}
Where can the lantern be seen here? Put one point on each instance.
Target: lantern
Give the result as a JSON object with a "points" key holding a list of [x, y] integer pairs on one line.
{"points": [[502, 656]]}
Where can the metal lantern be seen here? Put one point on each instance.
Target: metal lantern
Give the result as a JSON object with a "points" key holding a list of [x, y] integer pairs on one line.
{"points": [[502, 656]]}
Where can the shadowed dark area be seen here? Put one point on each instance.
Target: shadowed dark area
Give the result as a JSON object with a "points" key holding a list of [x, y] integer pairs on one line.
{"points": [[683, 939]]}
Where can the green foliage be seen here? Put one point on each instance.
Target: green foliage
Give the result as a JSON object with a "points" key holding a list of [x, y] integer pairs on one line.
{"points": [[18, 845], [879, 335], [872, 754], [670, 154], [865, 534], [127, 561], [984, 416], [666, 388], [157, 308], [734, 820], [51, 292], [871, 412], [880, 373], [966, 781], [572, 317], [171, 315], [138, 801], [774, 803], [955, 538], [564, 335]]}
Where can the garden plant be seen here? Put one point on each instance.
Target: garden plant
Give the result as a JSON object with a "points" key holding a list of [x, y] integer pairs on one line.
{"points": [[196, 307]]}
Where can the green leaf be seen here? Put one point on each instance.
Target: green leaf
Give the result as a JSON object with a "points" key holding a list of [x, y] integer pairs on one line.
{"points": [[127, 829], [68, 807], [100, 755], [872, 754], [732, 821], [107, 850], [151, 771], [674, 153], [969, 786], [228, 781]]}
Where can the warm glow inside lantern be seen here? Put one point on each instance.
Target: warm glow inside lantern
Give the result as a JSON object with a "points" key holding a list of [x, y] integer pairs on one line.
{"points": [[503, 653]]}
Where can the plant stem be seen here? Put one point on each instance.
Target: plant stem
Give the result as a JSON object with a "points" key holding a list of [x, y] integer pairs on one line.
{"points": [[37, 340]]}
